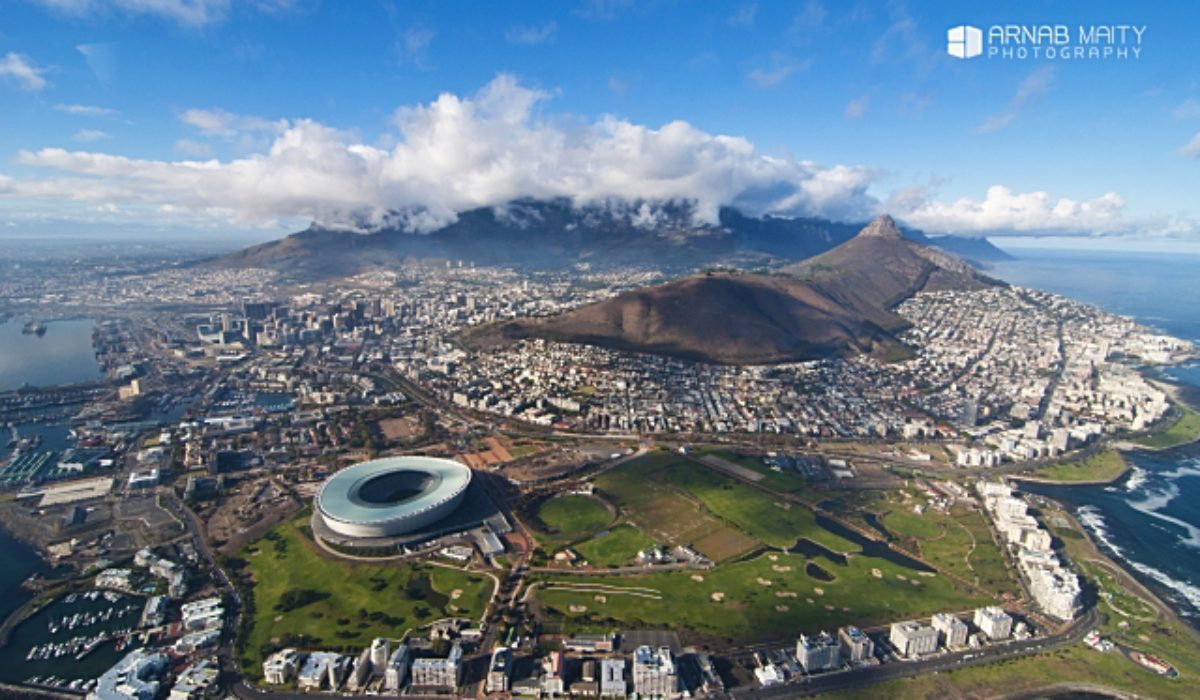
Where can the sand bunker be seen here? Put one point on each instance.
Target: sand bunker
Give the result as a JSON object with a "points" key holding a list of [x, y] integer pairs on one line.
{"points": [[763, 582], [717, 596], [876, 573], [697, 578], [779, 569]]}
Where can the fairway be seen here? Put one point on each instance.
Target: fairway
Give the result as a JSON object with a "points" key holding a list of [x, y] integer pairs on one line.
{"points": [[678, 501], [615, 547], [958, 542], [767, 597], [305, 598], [573, 515], [666, 514]]}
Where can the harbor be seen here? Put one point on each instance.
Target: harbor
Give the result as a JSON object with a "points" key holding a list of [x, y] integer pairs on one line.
{"points": [[69, 642]]}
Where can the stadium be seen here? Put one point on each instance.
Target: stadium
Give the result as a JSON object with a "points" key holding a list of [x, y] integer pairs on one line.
{"points": [[387, 498]]}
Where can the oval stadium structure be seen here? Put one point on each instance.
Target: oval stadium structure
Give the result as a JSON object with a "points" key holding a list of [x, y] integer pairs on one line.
{"points": [[392, 496]]}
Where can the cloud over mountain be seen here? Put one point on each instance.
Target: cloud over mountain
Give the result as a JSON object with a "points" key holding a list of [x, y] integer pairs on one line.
{"points": [[457, 153]]}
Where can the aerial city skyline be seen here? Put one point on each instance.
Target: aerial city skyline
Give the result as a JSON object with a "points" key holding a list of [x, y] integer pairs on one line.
{"points": [[598, 349]]}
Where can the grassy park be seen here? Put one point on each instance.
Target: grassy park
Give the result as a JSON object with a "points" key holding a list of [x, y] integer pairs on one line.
{"points": [[306, 598], [615, 547], [573, 515], [1102, 466], [1182, 432]]}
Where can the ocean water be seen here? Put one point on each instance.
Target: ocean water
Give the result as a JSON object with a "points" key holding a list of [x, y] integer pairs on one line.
{"points": [[1149, 521], [64, 355]]}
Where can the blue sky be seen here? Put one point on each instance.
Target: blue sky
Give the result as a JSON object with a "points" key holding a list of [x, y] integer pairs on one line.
{"points": [[220, 117]]}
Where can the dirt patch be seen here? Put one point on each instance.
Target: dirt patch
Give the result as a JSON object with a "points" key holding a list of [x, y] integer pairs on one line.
{"points": [[401, 428]]}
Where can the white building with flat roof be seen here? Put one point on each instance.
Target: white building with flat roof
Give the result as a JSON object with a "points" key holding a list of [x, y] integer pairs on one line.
{"points": [[993, 622], [281, 666], [654, 673], [135, 677], [856, 645], [612, 678], [397, 668], [438, 673], [819, 652], [952, 631], [913, 639]]}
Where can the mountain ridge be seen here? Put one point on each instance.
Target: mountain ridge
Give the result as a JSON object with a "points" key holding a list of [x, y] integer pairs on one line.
{"points": [[832, 308], [549, 234]]}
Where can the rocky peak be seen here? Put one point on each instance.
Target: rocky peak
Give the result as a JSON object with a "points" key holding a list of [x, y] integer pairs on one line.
{"points": [[883, 226]]}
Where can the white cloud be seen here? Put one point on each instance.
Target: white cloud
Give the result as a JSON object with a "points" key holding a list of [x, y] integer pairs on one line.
{"points": [[86, 110], [193, 149], [89, 135], [488, 149], [19, 68], [778, 69], [1192, 148], [1003, 211], [413, 45], [101, 58], [218, 122], [194, 13], [856, 108], [524, 34], [456, 153]]}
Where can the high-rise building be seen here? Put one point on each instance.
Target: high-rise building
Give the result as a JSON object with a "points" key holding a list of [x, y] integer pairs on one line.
{"points": [[912, 638], [438, 673], [500, 670], [953, 631], [380, 649], [856, 645], [654, 672], [397, 668], [993, 622], [818, 653], [612, 678]]}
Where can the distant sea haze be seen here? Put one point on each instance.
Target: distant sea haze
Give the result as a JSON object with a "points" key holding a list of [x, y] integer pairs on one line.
{"points": [[1149, 521]]}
